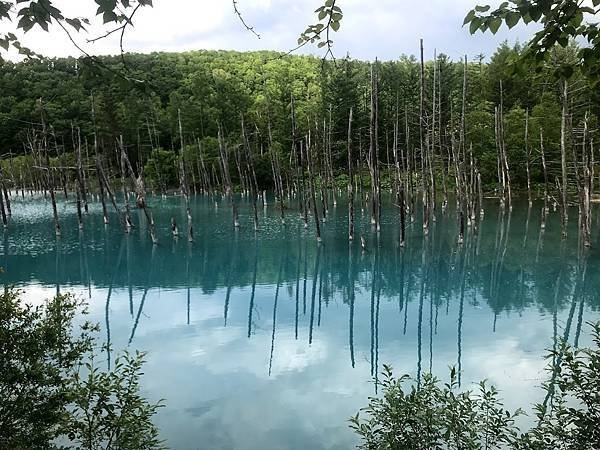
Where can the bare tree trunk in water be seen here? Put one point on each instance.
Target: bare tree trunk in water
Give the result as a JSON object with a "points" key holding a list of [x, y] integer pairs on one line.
{"points": [[350, 182], [183, 181], [545, 170], [563, 158], [312, 189], [251, 175], [422, 138], [585, 190], [527, 157]]}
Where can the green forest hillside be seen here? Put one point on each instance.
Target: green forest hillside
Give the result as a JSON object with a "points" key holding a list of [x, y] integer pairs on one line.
{"points": [[141, 101]]}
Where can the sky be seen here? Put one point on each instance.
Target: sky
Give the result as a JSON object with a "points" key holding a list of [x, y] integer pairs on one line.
{"points": [[384, 29]]}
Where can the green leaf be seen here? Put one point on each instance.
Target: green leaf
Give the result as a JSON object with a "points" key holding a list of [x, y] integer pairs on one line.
{"points": [[512, 18], [535, 12], [25, 23], [75, 23], [475, 24], [494, 24], [322, 14], [483, 8], [335, 26], [109, 16], [469, 17]]}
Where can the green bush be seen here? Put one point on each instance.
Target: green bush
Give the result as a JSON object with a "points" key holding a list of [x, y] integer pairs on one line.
{"points": [[51, 391], [424, 414]]}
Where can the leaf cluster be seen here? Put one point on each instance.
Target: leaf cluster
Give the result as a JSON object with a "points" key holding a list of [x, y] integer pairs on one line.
{"points": [[43, 13], [329, 17]]}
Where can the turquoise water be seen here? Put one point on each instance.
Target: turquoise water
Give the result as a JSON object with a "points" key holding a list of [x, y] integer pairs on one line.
{"points": [[267, 340]]}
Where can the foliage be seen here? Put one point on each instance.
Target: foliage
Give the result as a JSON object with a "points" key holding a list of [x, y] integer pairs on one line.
{"points": [[39, 347], [569, 418], [329, 15], [43, 13], [51, 392], [107, 411], [562, 21], [161, 169], [426, 415]]}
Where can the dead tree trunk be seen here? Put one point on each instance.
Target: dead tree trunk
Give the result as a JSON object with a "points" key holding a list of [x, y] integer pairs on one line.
{"points": [[183, 181], [226, 177], [350, 181], [50, 188], [251, 174], [5, 193], [312, 188], [46, 176], [102, 194], [460, 178], [585, 190], [527, 158], [330, 162], [299, 155], [110, 193], [277, 179], [545, 171], [140, 192], [563, 158], [124, 189], [2, 210], [374, 153], [422, 138]]}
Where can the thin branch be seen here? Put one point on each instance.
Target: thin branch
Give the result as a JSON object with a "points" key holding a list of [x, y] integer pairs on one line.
{"points": [[128, 21], [239, 14]]}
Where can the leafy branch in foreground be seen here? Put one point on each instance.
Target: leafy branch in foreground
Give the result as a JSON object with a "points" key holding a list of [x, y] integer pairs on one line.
{"points": [[51, 391], [426, 415], [329, 17], [107, 410], [562, 21], [43, 13]]}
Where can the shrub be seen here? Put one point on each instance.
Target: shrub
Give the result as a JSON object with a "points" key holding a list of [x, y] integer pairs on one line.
{"points": [[423, 414], [50, 390]]}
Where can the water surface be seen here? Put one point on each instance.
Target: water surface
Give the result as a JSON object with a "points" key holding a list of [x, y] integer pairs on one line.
{"points": [[267, 340]]}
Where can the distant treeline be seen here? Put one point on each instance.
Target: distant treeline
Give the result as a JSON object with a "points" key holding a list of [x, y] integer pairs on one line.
{"points": [[140, 98]]}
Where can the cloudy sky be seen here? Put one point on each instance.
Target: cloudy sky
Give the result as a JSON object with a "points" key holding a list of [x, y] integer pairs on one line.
{"points": [[370, 28]]}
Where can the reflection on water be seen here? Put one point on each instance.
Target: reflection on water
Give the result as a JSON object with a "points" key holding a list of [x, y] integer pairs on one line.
{"points": [[267, 340]]}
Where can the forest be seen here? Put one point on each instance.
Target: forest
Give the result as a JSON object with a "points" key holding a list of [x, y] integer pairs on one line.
{"points": [[212, 89], [191, 119]]}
